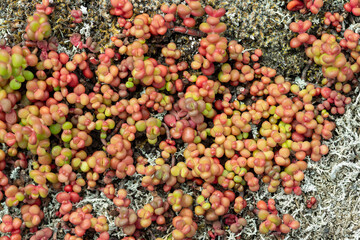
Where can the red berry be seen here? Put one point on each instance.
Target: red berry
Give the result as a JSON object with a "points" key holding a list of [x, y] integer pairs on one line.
{"points": [[68, 188], [74, 197]]}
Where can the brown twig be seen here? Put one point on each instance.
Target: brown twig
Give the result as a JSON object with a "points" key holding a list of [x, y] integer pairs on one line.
{"points": [[151, 234], [173, 160], [103, 141], [304, 72], [168, 136], [116, 129]]}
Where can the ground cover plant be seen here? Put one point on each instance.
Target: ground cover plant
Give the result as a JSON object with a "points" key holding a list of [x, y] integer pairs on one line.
{"points": [[142, 138]]}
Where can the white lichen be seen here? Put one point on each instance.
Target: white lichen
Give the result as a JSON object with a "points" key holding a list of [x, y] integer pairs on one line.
{"points": [[83, 10], [300, 82], [86, 30], [15, 173], [137, 193], [159, 116]]}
